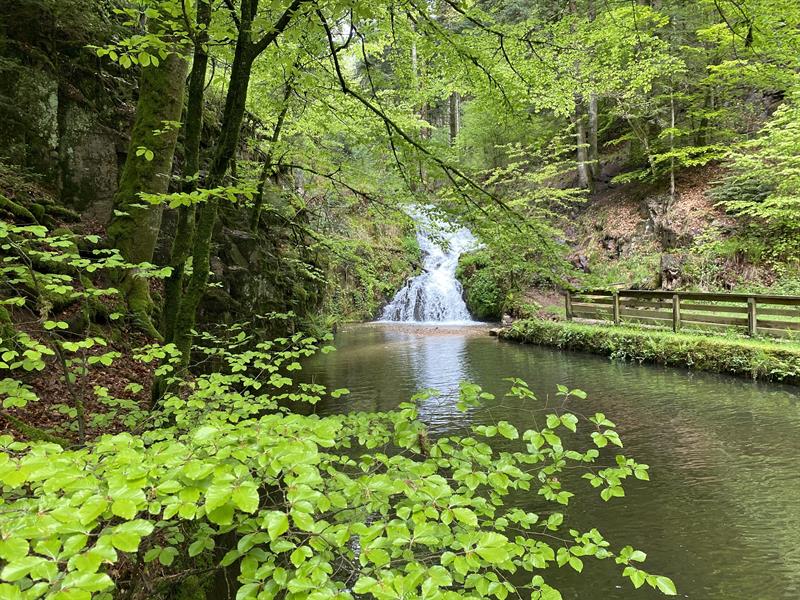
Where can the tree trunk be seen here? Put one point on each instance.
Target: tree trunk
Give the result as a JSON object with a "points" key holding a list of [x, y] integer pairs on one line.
{"points": [[233, 116], [580, 119], [584, 174], [594, 154], [422, 111], [594, 117], [268, 171], [184, 235], [672, 191], [455, 116], [134, 230]]}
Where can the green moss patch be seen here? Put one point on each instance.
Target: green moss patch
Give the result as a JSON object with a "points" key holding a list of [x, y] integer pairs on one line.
{"points": [[756, 359]]}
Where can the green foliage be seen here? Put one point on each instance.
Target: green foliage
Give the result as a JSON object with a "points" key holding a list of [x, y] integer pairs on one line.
{"points": [[764, 182], [771, 361], [219, 466], [369, 257], [58, 281], [637, 271], [485, 289], [300, 494]]}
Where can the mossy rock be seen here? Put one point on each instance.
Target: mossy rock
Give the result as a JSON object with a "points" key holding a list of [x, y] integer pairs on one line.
{"points": [[484, 292]]}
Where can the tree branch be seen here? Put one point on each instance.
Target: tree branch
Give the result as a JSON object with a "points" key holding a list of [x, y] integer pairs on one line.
{"points": [[280, 25], [452, 172]]}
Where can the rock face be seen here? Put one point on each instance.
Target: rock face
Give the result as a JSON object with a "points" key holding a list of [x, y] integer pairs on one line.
{"points": [[59, 119], [667, 229], [625, 230], [255, 273], [580, 261], [90, 157], [66, 142]]}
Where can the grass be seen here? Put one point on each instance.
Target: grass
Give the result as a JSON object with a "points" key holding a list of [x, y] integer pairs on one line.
{"points": [[762, 359]]}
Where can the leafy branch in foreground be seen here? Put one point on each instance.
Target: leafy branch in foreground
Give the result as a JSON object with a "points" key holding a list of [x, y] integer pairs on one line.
{"points": [[345, 506]]}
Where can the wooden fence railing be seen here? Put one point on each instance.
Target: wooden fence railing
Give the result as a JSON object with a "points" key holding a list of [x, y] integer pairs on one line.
{"points": [[755, 313]]}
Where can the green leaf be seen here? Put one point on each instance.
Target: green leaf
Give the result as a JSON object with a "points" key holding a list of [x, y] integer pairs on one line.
{"points": [[128, 536], [466, 516], [378, 556], [245, 497], [666, 585], [277, 523], [364, 585], [492, 547], [125, 508], [91, 509], [167, 556], [576, 563], [299, 556], [17, 569], [13, 548], [507, 430], [218, 495], [303, 520]]}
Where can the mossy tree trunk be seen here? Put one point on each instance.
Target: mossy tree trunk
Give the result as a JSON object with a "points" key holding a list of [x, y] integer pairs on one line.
{"points": [[184, 235], [134, 230], [269, 170], [232, 118], [246, 52]]}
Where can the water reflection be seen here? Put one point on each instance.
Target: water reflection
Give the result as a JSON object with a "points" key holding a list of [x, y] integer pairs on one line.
{"points": [[721, 515], [389, 365], [440, 364]]}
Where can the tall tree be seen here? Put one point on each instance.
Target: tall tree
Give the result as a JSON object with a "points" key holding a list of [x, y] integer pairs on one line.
{"points": [[247, 50], [134, 226], [184, 235]]}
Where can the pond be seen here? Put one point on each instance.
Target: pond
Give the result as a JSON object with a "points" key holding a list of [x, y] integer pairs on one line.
{"points": [[721, 514]]}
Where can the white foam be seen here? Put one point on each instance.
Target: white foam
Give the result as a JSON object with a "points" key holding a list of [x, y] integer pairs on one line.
{"points": [[434, 297]]}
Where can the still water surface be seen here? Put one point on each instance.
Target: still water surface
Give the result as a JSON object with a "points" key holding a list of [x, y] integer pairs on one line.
{"points": [[721, 515]]}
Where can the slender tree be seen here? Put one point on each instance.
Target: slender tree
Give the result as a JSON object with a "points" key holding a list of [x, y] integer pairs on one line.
{"points": [[246, 52], [184, 234], [148, 168]]}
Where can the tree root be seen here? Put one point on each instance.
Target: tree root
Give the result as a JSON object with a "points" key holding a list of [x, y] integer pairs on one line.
{"points": [[137, 296], [34, 433], [17, 210]]}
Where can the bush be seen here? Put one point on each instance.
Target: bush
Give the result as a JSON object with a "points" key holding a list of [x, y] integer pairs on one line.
{"points": [[750, 358], [484, 290]]}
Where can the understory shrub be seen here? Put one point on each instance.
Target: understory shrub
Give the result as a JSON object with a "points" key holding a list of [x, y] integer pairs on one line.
{"points": [[484, 287], [218, 475]]}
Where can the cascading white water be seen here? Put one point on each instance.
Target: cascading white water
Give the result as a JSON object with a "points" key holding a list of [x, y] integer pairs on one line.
{"points": [[435, 294]]}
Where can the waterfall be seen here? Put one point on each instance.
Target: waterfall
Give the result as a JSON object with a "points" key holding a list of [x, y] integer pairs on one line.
{"points": [[435, 294]]}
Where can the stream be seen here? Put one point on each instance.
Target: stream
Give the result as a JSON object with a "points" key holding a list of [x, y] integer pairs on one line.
{"points": [[721, 515]]}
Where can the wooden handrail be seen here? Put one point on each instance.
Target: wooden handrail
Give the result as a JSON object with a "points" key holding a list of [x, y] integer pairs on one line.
{"points": [[665, 307], [732, 297]]}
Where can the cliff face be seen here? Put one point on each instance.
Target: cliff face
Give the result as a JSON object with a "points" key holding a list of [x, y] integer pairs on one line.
{"points": [[64, 117]]}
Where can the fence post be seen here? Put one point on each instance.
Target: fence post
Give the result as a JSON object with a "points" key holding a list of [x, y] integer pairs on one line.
{"points": [[676, 313], [568, 304], [752, 317], [615, 307]]}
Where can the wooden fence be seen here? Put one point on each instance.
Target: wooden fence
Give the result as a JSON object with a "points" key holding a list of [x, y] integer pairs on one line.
{"points": [[754, 313]]}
